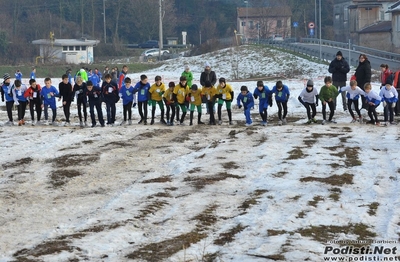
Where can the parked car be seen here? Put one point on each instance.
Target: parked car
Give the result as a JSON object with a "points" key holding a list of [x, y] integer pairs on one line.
{"points": [[277, 38], [149, 44], [154, 52]]}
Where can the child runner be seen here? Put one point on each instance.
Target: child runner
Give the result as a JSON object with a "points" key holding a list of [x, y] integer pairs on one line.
{"points": [[6, 90], [282, 94], [209, 92], [142, 88], [373, 100], [179, 96], [49, 94], [157, 91], [19, 100], [79, 91], [35, 100], [246, 98], [126, 93], [353, 95], [195, 102], [389, 98], [309, 98], [224, 94], [65, 89], [109, 90], [262, 91], [327, 95], [170, 103], [94, 95]]}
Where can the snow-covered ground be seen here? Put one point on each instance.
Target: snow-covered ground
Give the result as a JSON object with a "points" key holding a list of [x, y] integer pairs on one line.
{"points": [[201, 193]]}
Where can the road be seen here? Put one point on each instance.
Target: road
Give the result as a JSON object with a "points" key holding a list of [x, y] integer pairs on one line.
{"points": [[351, 56]]}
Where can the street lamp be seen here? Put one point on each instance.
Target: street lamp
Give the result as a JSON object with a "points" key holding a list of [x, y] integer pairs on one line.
{"points": [[247, 18], [160, 42]]}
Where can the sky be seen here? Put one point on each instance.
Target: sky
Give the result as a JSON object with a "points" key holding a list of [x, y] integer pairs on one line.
{"points": [[192, 193]]}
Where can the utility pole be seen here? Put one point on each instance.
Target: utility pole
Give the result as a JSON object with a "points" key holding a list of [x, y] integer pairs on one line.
{"points": [[320, 35], [104, 21], [160, 41]]}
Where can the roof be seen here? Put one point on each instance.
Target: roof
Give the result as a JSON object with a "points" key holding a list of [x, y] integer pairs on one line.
{"points": [[265, 11], [385, 26], [394, 8], [66, 42]]}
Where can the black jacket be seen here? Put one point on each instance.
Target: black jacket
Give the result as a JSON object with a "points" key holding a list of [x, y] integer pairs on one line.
{"points": [[65, 91], [363, 73], [210, 76], [339, 70]]}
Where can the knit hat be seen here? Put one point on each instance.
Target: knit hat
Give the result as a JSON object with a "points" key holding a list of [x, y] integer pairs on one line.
{"points": [[187, 67], [194, 87], [310, 83], [6, 76], [339, 53], [207, 64]]}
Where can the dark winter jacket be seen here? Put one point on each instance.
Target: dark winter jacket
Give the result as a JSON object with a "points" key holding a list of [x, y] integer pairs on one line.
{"points": [[339, 70], [208, 75], [65, 91], [363, 73]]}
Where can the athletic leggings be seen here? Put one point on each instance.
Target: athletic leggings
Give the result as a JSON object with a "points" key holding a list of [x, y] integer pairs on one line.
{"points": [[280, 105]]}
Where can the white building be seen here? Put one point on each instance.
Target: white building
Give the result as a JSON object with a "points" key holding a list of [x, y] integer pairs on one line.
{"points": [[70, 51]]}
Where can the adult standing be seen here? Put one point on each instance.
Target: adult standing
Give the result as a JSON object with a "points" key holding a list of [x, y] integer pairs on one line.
{"points": [[208, 75], [363, 75], [386, 75], [339, 69]]}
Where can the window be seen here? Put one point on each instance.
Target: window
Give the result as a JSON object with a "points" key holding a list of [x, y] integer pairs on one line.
{"points": [[346, 13], [397, 23], [65, 48], [243, 23], [251, 24], [70, 48], [77, 48], [279, 23], [382, 15], [83, 48]]}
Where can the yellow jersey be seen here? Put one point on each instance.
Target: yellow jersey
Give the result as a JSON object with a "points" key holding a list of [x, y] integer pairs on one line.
{"points": [[157, 91], [225, 92], [209, 92], [181, 93], [195, 97]]}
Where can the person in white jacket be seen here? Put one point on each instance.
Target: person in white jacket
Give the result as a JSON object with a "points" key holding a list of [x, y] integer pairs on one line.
{"points": [[353, 95], [389, 97]]}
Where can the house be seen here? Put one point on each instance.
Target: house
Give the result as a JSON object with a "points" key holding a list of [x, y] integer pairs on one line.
{"points": [[366, 23], [264, 22], [395, 11], [70, 51]]}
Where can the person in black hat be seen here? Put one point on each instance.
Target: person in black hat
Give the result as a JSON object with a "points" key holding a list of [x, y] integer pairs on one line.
{"points": [[6, 91], [339, 69]]}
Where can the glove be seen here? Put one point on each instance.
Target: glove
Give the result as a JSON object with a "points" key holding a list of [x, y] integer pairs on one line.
{"points": [[255, 96], [16, 103], [384, 103], [270, 102], [134, 105], [393, 105], [316, 103], [2, 100], [239, 106]]}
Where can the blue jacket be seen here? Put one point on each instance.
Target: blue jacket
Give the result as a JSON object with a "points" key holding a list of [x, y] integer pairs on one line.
{"points": [[19, 94], [264, 95], [18, 76], [143, 91], [281, 96], [247, 100], [95, 79], [126, 94], [6, 90], [33, 75], [48, 99]]}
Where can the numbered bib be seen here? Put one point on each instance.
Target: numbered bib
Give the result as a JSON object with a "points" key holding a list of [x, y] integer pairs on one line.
{"points": [[95, 95], [142, 92], [224, 96], [128, 93], [19, 93], [280, 94], [208, 97], [192, 98], [263, 95], [158, 90], [245, 99], [48, 96], [34, 94], [110, 89]]}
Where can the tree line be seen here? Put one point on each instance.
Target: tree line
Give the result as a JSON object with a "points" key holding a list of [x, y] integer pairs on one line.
{"points": [[128, 21]]}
